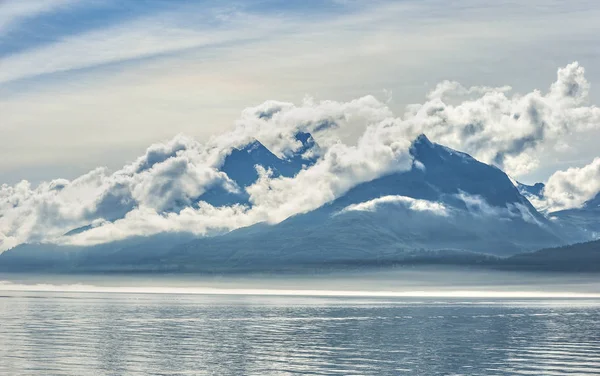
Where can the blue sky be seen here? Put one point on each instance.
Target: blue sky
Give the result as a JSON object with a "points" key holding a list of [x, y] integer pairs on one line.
{"points": [[93, 83]]}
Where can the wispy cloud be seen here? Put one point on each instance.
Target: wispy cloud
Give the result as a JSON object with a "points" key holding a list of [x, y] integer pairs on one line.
{"points": [[14, 12], [373, 29], [134, 40]]}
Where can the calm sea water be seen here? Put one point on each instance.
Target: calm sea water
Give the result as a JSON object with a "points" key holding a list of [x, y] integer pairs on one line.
{"points": [[51, 333]]}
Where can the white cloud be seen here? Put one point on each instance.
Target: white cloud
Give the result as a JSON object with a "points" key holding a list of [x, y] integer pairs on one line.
{"points": [[138, 39], [158, 191], [274, 199], [570, 188], [411, 203], [340, 168], [478, 206], [508, 131]]}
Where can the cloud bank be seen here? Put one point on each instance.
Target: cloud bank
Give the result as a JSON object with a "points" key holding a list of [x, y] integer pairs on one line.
{"points": [[161, 191]]}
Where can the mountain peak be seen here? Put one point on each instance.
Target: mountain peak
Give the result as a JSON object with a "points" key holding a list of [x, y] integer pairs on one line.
{"points": [[427, 152], [422, 140], [250, 147], [304, 137], [239, 164]]}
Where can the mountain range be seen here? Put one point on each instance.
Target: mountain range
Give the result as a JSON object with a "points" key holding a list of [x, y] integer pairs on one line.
{"points": [[447, 207]]}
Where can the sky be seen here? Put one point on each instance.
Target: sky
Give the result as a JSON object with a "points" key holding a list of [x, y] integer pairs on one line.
{"points": [[116, 116], [93, 83]]}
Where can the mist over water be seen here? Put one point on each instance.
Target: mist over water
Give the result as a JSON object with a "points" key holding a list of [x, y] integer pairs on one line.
{"points": [[385, 282]]}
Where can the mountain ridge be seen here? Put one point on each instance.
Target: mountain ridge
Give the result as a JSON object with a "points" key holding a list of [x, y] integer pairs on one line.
{"points": [[447, 202]]}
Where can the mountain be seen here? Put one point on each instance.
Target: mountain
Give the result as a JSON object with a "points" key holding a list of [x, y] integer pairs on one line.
{"points": [[483, 212], [442, 174], [447, 204], [239, 165], [107, 257]]}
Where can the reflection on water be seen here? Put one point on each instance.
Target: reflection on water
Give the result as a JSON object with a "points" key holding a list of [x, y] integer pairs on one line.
{"points": [[142, 334]]}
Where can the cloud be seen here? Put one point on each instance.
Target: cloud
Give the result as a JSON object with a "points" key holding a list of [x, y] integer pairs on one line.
{"points": [[570, 188], [409, 202], [478, 206], [339, 168], [161, 190], [138, 38], [507, 131], [475, 206]]}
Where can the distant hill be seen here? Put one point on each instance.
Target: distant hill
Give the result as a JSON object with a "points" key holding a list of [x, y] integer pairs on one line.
{"points": [[580, 257]]}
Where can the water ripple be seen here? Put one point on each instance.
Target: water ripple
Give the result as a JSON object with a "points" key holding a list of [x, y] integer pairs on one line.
{"points": [[109, 334]]}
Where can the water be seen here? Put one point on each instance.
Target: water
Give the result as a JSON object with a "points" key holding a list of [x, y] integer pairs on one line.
{"points": [[83, 333]]}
